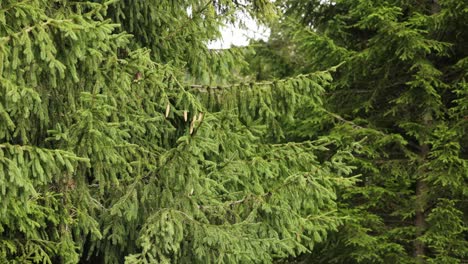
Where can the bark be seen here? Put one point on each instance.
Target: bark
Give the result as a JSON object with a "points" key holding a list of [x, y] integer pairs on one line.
{"points": [[420, 221], [421, 205], [421, 186]]}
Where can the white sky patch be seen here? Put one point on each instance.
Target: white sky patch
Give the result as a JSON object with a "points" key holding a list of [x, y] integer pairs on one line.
{"points": [[235, 35]]}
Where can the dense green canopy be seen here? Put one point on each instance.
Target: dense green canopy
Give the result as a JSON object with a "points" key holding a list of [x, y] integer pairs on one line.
{"points": [[108, 154], [402, 92], [124, 139]]}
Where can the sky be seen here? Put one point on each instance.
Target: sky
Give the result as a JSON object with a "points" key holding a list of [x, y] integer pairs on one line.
{"points": [[233, 35]]}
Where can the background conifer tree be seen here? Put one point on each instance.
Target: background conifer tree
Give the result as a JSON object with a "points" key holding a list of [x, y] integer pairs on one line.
{"points": [[402, 91]]}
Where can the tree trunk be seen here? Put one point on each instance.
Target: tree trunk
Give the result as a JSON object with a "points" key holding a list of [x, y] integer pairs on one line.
{"points": [[421, 205], [421, 186], [420, 222]]}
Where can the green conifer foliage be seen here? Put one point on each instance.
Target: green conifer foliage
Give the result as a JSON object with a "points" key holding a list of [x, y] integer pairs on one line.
{"points": [[107, 156], [177, 31], [402, 90]]}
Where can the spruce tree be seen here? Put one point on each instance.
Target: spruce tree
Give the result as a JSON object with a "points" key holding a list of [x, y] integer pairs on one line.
{"points": [[108, 154], [402, 93]]}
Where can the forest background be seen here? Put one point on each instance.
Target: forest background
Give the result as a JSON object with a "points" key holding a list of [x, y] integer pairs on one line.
{"points": [[341, 139]]}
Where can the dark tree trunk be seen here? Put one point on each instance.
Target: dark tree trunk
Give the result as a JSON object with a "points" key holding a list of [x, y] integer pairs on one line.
{"points": [[420, 221], [421, 201]]}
